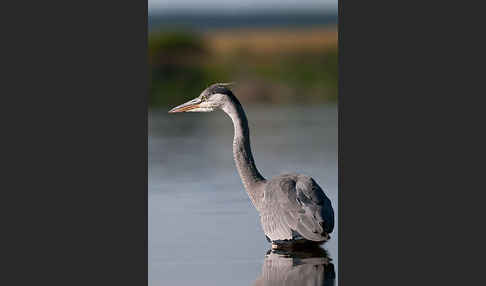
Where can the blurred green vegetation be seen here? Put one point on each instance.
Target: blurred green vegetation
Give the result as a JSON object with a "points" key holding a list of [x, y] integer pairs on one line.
{"points": [[184, 63]]}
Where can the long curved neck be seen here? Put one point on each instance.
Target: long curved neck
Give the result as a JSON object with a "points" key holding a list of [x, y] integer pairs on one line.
{"points": [[245, 163]]}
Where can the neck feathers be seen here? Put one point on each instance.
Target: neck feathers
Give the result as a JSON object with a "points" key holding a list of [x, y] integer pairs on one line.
{"points": [[249, 174]]}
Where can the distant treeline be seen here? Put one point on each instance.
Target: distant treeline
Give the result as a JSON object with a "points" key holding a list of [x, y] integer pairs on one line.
{"points": [[269, 66]]}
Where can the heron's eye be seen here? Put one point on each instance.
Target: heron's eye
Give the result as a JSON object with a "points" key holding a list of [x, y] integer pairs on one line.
{"points": [[203, 98]]}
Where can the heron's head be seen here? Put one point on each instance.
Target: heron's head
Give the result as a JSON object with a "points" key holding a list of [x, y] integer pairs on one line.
{"points": [[211, 99]]}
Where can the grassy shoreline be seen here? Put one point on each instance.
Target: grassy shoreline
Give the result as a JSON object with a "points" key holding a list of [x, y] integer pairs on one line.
{"points": [[269, 65]]}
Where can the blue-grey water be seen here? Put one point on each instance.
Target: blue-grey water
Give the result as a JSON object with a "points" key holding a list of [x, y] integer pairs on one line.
{"points": [[220, 20], [203, 229]]}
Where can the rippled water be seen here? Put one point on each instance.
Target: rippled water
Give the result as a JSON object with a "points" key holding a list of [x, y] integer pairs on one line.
{"points": [[203, 229]]}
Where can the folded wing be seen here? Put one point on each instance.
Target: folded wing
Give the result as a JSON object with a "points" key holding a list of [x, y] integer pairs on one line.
{"points": [[295, 206]]}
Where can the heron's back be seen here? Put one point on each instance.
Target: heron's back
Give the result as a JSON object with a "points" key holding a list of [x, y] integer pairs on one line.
{"points": [[294, 207]]}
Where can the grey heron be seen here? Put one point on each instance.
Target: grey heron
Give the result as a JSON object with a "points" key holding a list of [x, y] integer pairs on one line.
{"points": [[294, 210]]}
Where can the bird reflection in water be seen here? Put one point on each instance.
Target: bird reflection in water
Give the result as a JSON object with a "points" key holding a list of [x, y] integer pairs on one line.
{"points": [[297, 268]]}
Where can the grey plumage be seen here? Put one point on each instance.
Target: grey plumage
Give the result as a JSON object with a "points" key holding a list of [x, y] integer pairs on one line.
{"points": [[295, 205], [293, 208]]}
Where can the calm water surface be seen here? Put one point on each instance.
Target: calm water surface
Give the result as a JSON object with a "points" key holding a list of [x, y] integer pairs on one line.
{"points": [[203, 229]]}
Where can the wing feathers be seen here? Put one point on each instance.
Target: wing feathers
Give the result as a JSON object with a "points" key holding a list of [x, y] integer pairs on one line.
{"points": [[296, 203]]}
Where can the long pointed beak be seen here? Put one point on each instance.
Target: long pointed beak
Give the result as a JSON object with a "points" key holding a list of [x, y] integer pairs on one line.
{"points": [[186, 106]]}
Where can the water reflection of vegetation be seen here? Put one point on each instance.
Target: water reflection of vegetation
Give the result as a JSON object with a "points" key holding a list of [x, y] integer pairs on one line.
{"points": [[184, 63]]}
